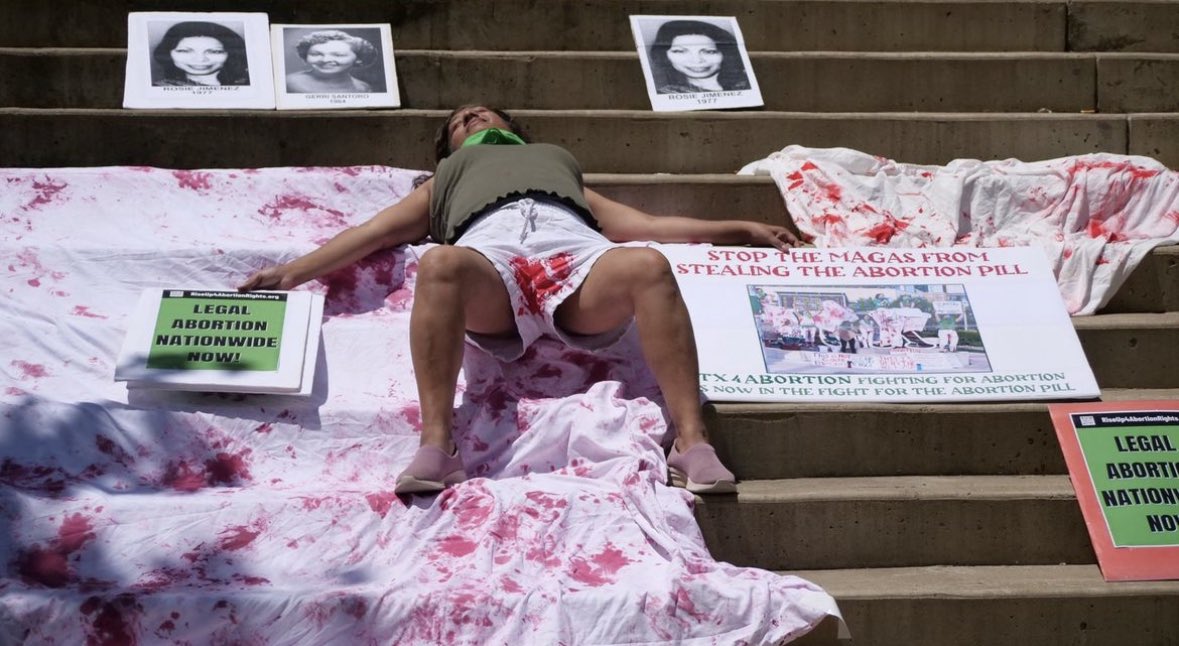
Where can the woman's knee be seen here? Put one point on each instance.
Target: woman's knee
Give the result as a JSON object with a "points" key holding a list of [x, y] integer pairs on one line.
{"points": [[443, 264], [646, 266]]}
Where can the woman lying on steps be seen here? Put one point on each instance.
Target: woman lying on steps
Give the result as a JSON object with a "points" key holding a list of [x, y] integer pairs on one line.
{"points": [[526, 250]]}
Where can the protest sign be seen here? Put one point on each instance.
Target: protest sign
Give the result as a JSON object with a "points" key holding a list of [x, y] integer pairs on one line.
{"points": [[222, 341], [872, 324], [1123, 459], [334, 66]]}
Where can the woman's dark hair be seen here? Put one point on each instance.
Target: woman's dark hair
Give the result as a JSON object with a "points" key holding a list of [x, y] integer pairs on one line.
{"points": [[234, 72], [366, 54], [732, 72], [442, 135]]}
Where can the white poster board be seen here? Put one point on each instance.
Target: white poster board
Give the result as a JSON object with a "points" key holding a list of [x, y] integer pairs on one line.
{"points": [[334, 66], [198, 61], [213, 340], [695, 63], [880, 325]]}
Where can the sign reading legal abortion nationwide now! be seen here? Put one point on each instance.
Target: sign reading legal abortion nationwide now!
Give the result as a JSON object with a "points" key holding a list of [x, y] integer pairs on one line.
{"points": [[873, 324], [1123, 458], [222, 341]]}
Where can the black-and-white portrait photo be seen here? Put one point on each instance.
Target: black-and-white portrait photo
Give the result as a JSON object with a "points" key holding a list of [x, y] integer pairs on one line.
{"points": [[198, 60], [333, 60], [695, 62], [197, 52], [334, 66]]}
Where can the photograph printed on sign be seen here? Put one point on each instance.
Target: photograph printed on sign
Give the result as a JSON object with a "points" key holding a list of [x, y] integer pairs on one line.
{"points": [[334, 66], [695, 63], [865, 330], [198, 61]]}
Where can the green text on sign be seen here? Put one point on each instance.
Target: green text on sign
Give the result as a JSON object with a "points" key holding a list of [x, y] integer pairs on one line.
{"points": [[217, 331], [1133, 459]]}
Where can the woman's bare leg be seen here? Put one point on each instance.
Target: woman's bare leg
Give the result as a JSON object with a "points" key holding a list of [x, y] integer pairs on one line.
{"points": [[457, 290], [638, 282]]}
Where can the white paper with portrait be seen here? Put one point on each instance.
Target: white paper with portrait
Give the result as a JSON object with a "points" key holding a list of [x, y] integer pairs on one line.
{"points": [[198, 61], [695, 63], [320, 67]]}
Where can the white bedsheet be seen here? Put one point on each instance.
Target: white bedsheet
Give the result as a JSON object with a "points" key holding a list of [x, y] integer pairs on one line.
{"points": [[180, 518], [1095, 216]]}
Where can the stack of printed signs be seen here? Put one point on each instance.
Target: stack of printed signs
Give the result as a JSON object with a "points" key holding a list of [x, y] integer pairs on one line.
{"points": [[222, 341]]}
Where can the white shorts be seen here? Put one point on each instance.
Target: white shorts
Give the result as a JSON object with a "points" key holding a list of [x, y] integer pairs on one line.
{"points": [[543, 252]]}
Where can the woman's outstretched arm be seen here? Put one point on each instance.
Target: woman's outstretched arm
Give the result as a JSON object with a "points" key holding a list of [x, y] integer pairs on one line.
{"points": [[404, 222], [622, 223]]}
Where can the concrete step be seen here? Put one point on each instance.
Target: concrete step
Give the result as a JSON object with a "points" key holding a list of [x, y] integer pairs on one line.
{"points": [[799, 82], [1117, 25], [768, 25], [1132, 350], [604, 141], [768, 441], [898, 521], [1028, 605]]}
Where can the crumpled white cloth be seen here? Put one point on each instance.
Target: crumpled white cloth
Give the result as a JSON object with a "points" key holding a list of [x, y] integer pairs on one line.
{"points": [[186, 518], [1095, 216]]}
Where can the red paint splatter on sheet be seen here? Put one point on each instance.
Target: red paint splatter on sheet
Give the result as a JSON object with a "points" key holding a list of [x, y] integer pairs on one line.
{"points": [[278, 207], [82, 310], [683, 601], [227, 469], [264, 428], [457, 545], [600, 568], [237, 537], [29, 370], [46, 192], [380, 502], [109, 447], [114, 621], [413, 416], [1135, 171], [1107, 229], [193, 180], [181, 477], [50, 566], [539, 280]]}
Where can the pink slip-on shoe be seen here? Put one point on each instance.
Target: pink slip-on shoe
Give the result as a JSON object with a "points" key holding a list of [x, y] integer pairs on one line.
{"points": [[699, 470], [430, 470]]}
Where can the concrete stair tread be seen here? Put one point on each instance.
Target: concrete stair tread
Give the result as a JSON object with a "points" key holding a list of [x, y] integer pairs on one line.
{"points": [[1143, 320], [891, 488], [979, 582], [642, 141], [783, 408]]}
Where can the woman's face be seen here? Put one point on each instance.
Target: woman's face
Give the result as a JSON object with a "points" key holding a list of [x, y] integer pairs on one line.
{"points": [[199, 55], [471, 120], [695, 56], [331, 58]]}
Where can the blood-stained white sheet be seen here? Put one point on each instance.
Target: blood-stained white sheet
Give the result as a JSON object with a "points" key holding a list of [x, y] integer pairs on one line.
{"points": [[148, 517], [1096, 216]]}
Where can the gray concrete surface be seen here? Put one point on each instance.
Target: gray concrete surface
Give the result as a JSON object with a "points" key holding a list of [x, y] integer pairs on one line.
{"points": [[896, 521], [639, 141], [1001, 606], [800, 25]]}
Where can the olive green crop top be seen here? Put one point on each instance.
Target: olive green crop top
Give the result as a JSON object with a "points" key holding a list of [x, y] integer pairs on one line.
{"points": [[476, 179]]}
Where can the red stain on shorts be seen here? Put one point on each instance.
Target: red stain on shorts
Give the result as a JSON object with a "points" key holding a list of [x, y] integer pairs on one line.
{"points": [[540, 279]]}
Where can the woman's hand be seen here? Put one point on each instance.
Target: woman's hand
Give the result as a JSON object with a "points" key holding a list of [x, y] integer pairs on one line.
{"points": [[772, 235], [277, 277]]}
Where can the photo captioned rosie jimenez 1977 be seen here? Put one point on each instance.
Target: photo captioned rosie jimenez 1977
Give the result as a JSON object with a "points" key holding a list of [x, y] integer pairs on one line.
{"points": [[198, 61], [695, 63]]}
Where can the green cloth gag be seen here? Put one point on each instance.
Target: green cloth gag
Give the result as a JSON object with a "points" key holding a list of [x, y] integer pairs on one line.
{"points": [[492, 136]]}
